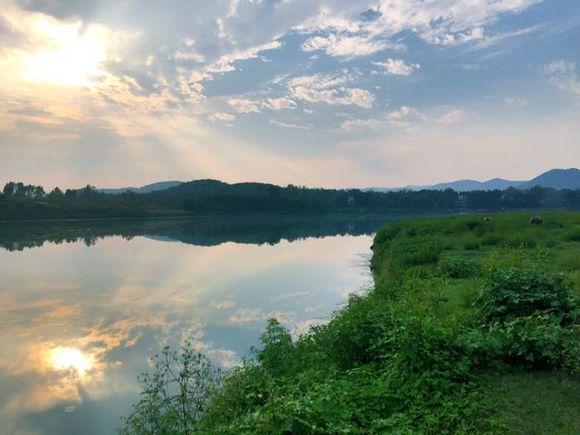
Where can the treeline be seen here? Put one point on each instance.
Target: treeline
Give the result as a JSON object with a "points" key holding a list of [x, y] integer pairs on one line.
{"points": [[19, 200]]}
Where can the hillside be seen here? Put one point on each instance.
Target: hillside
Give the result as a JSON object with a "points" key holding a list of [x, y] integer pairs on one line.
{"points": [[556, 179], [154, 187], [471, 327]]}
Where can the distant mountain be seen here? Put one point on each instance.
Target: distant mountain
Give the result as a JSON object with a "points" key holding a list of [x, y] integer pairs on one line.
{"points": [[154, 187], [459, 186], [556, 179]]}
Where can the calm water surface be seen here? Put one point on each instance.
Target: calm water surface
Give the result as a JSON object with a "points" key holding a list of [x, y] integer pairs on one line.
{"points": [[83, 306]]}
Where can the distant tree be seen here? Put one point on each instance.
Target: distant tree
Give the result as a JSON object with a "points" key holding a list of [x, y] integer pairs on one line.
{"points": [[56, 193], [9, 189], [38, 192], [70, 193]]}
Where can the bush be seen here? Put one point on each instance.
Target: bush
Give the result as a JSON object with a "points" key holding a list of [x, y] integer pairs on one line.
{"points": [[458, 268], [491, 240], [573, 236], [174, 395], [538, 341], [514, 292], [348, 340], [418, 251], [471, 243]]}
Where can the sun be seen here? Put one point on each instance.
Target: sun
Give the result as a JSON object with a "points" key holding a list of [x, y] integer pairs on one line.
{"points": [[65, 358], [70, 54]]}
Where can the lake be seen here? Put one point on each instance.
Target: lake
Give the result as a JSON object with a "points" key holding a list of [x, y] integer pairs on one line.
{"points": [[84, 305]]}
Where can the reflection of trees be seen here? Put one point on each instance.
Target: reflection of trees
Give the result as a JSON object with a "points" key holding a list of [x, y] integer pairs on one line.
{"points": [[201, 231]]}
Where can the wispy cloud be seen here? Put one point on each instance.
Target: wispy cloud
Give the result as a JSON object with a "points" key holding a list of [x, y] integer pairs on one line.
{"points": [[397, 67]]}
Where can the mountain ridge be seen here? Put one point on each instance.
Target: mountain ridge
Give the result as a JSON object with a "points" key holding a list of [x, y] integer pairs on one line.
{"points": [[553, 178]]}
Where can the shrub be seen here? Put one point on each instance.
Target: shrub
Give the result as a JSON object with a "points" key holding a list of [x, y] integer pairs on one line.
{"points": [[479, 227], [276, 355], [573, 236], [417, 251], [538, 341], [515, 292], [349, 338], [491, 239], [458, 268], [174, 395], [471, 243]]}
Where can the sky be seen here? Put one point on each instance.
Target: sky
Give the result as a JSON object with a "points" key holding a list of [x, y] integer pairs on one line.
{"points": [[327, 93]]}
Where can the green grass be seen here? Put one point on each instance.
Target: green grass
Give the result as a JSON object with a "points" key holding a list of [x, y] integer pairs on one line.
{"points": [[536, 402], [472, 326]]}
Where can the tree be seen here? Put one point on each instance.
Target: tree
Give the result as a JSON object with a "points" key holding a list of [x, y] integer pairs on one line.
{"points": [[174, 395], [56, 193]]}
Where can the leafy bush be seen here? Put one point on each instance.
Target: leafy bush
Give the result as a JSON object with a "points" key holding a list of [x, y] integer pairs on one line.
{"points": [[573, 236], [416, 251], [491, 239], [471, 243], [174, 395], [538, 341], [458, 268], [513, 292], [276, 355]]}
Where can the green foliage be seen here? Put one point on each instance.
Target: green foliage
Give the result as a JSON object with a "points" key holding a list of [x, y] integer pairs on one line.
{"points": [[174, 394], [277, 353], [471, 243], [416, 353], [512, 292], [458, 268], [573, 236], [201, 197]]}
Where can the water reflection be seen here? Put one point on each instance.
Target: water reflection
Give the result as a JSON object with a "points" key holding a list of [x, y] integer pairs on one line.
{"points": [[78, 323]]}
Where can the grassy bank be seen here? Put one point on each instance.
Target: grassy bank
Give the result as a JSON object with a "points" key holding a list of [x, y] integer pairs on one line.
{"points": [[472, 326]]}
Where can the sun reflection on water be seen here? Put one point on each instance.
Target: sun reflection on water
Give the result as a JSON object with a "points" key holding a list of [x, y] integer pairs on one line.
{"points": [[66, 358]]}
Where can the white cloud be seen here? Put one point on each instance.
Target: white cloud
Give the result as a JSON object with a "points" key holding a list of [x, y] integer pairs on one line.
{"points": [[352, 125], [398, 67], [245, 315], [330, 89], [222, 116], [289, 125], [223, 305], [280, 103], [403, 116], [242, 105], [563, 74], [346, 46], [452, 117]]}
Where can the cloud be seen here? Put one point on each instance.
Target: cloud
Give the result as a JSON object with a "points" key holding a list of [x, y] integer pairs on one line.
{"points": [[223, 305], [242, 105], [346, 46], [245, 315], [221, 116], [403, 116], [452, 117], [563, 74], [486, 41], [398, 67], [289, 125], [280, 103], [352, 125], [330, 89]]}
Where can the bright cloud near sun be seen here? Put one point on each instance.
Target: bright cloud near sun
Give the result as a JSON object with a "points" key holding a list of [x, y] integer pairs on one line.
{"points": [[130, 92]]}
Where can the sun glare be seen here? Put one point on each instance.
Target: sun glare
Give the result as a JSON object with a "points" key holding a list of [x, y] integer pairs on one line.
{"points": [[71, 55], [65, 358]]}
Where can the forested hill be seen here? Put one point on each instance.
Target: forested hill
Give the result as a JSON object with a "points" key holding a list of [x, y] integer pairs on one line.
{"points": [[21, 201]]}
